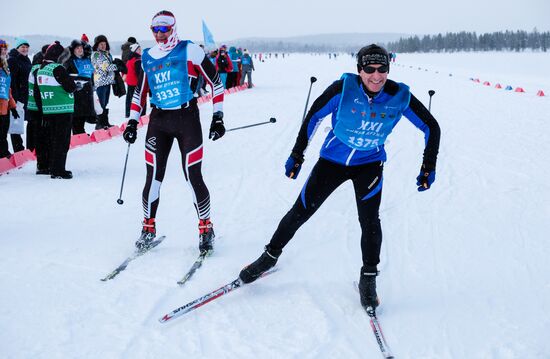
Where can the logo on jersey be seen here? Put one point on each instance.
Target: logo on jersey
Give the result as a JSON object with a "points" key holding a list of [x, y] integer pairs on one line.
{"points": [[162, 76]]}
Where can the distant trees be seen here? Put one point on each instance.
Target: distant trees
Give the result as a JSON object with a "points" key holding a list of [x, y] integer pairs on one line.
{"points": [[469, 41]]}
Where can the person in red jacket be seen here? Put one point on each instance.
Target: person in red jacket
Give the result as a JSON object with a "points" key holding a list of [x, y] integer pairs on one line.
{"points": [[134, 71]]}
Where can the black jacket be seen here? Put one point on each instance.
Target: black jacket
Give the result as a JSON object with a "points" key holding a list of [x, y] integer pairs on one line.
{"points": [[20, 68], [83, 99]]}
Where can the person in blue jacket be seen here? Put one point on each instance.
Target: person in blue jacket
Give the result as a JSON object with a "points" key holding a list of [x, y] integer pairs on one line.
{"points": [[365, 107]]}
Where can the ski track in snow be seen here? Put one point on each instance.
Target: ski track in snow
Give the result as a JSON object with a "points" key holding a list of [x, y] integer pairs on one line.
{"points": [[464, 270]]}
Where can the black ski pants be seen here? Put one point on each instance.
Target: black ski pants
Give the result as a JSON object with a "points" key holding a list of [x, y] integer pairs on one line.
{"points": [[59, 129], [165, 126], [325, 177]]}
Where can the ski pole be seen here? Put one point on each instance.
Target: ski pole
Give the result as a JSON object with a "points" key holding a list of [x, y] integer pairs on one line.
{"points": [[119, 200], [312, 79], [431, 93], [271, 120]]}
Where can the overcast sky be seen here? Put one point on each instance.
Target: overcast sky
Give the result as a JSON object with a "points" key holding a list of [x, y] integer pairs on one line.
{"points": [[231, 19]]}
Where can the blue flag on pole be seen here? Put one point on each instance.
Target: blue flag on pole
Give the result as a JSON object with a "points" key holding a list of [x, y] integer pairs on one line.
{"points": [[209, 42]]}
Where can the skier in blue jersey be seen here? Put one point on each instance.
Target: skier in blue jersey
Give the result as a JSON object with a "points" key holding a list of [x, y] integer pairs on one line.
{"points": [[170, 70], [365, 107]]}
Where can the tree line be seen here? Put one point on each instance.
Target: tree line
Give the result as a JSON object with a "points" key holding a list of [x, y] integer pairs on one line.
{"points": [[470, 41]]}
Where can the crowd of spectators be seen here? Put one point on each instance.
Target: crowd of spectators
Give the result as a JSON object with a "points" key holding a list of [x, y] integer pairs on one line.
{"points": [[62, 89]]}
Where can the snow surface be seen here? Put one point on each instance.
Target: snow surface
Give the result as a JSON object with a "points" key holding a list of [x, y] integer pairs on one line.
{"points": [[465, 267]]}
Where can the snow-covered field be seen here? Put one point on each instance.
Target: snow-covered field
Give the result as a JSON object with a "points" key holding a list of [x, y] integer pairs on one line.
{"points": [[465, 267]]}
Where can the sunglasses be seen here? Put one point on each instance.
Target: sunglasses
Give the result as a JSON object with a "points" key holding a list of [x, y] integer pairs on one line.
{"points": [[163, 29], [382, 69]]}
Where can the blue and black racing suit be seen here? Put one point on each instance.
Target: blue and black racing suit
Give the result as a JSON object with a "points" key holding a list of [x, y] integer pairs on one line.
{"points": [[354, 150]]}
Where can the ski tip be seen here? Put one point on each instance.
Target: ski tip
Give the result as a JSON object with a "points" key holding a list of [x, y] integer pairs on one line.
{"points": [[165, 318]]}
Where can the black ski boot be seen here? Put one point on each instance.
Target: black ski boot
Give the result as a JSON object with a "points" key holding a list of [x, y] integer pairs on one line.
{"points": [[61, 175], [206, 235], [148, 234], [267, 260], [367, 287]]}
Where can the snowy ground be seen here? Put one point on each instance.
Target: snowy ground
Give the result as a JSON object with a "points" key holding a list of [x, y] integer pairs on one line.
{"points": [[464, 270]]}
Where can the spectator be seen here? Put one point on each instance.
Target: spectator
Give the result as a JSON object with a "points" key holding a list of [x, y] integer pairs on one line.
{"points": [[223, 65], [134, 72], [39, 56], [248, 67], [104, 77], [6, 100], [79, 67], [20, 67], [34, 112], [57, 107], [125, 47], [240, 72], [232, 75], [212, 57]]}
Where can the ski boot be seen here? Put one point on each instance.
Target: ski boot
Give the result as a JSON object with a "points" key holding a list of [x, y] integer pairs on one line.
{"points": [[206, 235], [267, 260], [148, 234], [61, 174], [367, 287]]}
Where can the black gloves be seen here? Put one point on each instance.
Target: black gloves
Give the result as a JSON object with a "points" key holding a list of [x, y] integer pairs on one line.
{"points": [[217, 129], [14, 113], [120, 65], [130, 133]]}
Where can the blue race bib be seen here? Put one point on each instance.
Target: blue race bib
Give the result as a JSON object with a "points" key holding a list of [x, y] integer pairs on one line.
{"points": [[362, 125]]}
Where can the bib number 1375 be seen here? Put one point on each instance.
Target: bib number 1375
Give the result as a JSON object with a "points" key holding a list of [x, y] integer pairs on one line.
{"points": [[363, 142]]}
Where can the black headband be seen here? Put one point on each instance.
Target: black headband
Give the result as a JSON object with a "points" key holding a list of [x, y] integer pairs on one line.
{"points": [[374, 59]]}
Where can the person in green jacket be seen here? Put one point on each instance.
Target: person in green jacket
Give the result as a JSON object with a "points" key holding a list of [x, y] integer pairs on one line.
{"points": [[56, 89]]}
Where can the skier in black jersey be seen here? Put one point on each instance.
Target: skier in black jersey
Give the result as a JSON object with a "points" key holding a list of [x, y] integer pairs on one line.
{"points": [[170, 71], [365, 108]]}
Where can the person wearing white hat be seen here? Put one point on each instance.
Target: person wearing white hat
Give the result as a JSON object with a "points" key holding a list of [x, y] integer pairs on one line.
{"points": [[170, 70]]}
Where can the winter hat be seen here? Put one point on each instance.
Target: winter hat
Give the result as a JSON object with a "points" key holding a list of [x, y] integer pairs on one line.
{"points": [[54, 51], [134, 47], [101, 38], [20, 42], [44, 48], [84, 38], [74, 44], [132, 40], [372, 55], [3, 43]]}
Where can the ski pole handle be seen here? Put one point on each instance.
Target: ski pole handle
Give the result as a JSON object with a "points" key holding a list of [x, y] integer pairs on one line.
{"points": [[312, 80], [431, 93]]}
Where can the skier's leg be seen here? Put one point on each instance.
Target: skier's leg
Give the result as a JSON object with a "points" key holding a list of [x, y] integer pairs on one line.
{"points": [[190, 143], [368, 194], [323, 180], [157, 148], [325, 177]]}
